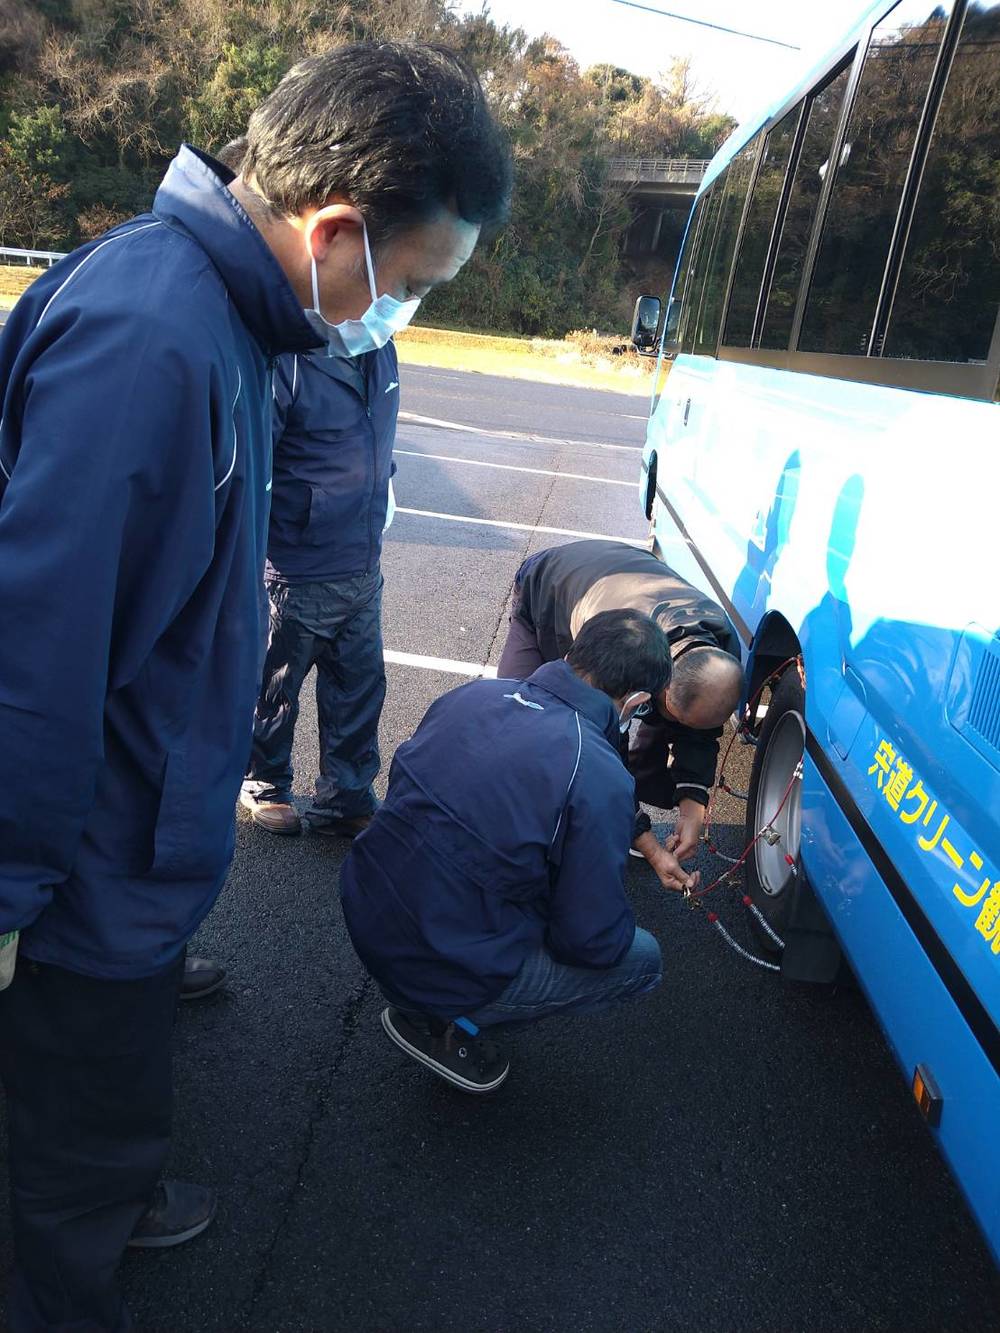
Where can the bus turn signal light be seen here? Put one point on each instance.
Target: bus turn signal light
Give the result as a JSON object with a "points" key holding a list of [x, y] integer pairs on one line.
{"points": [[927, 1095]]}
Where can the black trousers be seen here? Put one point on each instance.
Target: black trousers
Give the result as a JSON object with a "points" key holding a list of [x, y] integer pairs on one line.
{"points": [[336, 627], [86, 1067]]}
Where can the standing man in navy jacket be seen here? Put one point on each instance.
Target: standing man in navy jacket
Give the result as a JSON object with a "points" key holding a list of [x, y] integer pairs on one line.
{"points": [[335, 425], [489, 894], [135, 481]]}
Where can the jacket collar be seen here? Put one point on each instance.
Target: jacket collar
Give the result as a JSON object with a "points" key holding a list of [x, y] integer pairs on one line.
{"points": [[561, 680], [193, 193]]}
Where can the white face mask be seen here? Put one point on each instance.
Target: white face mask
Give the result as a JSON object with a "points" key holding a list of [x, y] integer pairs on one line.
{"points": [[351, 337], [640, 711]]}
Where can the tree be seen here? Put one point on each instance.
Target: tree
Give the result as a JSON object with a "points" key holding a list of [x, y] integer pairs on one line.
{"points": [[97, 94]]}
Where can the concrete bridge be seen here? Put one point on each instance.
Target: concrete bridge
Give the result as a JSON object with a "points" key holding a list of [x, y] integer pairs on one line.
{"points": [[661, 180], [653, 185]]}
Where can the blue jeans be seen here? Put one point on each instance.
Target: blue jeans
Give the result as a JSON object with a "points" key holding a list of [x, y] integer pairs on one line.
{"points": [[544, 987]]}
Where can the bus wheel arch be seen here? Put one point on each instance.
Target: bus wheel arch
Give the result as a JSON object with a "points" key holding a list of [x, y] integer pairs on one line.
{"points": [[774, 643]]}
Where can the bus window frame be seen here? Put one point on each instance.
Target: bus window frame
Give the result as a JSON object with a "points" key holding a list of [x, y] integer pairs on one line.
{"points": [[857, 63], [679, 294], [979, 380], [911, 192], [765, 133], [706, 234], [760, 138]]}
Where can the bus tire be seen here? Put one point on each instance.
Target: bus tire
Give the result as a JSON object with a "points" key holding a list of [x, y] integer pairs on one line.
{"points": [[771, 881]]}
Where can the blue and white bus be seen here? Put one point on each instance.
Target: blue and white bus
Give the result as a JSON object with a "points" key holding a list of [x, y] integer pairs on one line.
{"points": [[824, 459]]}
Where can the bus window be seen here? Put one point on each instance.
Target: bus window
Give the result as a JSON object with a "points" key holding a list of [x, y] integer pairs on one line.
{"points": [[948, 293], [677, 305], [699, 263], [881, 133], [757, 232], [737, 183], [824, 110]]}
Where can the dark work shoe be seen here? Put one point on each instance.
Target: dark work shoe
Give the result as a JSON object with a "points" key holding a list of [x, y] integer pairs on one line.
{"points": [[474, 1064], [339, 828], [177, 1212], [202, 976]]}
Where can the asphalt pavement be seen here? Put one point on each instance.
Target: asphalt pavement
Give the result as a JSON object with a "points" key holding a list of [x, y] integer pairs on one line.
{"points": [[728, 1155]]}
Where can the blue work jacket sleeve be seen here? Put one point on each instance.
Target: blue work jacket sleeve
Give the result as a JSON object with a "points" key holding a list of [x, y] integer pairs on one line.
{"points": [[107, 519], [590, 920]]}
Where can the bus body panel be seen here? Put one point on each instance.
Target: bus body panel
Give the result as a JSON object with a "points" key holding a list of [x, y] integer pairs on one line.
{"points": [[846, 509], [921, 1021], [817, 499]]}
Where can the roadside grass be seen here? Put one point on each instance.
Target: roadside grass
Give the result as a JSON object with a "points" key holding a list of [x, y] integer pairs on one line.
{"points": [[14, 278], [580, 360]]}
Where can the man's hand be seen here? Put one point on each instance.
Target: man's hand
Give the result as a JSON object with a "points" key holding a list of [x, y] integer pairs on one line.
{"points": [[669, 870], [683, 842]]}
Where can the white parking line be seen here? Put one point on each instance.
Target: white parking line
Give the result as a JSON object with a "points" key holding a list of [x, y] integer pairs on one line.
{"points": [[509, 467], [448, 664], [523, 527], [515, 434]]}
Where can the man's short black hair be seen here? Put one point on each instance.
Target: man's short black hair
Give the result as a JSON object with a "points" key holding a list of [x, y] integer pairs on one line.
{"points": [[621, 653], [400, 130]]}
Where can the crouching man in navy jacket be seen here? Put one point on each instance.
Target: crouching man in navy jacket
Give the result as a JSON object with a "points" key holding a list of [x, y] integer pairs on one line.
{"points": [[489, 891], [135, 481]]}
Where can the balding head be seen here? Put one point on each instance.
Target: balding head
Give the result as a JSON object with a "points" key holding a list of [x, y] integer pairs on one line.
{"points": [[231, 155], [704, 689]]}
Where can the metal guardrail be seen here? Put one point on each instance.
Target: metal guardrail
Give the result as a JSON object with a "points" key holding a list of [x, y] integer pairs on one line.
{"points": [[47, 257], [660, 170]]}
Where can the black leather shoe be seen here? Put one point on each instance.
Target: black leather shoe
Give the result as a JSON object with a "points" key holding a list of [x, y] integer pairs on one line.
{"points": [[338, 828], [202, 976], [177, 1212]]}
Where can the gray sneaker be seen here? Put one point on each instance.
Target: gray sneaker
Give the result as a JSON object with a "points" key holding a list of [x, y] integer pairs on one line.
{"points": [[177, 1212], [472, 1063], [202, 976]]}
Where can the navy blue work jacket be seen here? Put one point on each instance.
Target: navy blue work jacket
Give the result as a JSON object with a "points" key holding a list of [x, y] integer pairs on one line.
{"points": [[334, 428], [507, 824], [135, 458]]}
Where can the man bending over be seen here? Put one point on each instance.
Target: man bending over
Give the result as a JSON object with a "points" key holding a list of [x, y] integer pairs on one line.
{"points": [[674, 752]]}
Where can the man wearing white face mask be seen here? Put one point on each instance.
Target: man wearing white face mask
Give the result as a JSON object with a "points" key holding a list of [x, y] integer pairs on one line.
{"points": [[135, 486], [379, 240]]}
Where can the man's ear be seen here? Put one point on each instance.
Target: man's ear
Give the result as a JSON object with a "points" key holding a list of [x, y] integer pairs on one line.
{"points": [[327, 224]]}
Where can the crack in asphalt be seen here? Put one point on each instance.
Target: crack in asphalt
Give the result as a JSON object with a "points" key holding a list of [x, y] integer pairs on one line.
{"points": [[350, 1018], [556, 467]]}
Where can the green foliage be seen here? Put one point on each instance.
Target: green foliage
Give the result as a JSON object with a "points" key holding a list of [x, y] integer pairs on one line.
{"points": [[244, 76], [36, 137], [95, 95]]}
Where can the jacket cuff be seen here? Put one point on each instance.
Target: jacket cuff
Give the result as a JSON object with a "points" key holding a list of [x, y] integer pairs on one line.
{"points": [[642, 824], [692, 791]]}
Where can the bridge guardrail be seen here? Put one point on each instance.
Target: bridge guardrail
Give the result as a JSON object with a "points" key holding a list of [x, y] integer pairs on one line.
{"points": [[9, 253], [669, 170]]}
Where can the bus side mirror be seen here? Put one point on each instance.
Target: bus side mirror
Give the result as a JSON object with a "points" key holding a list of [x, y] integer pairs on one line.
{"points": [[645, 322]]}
